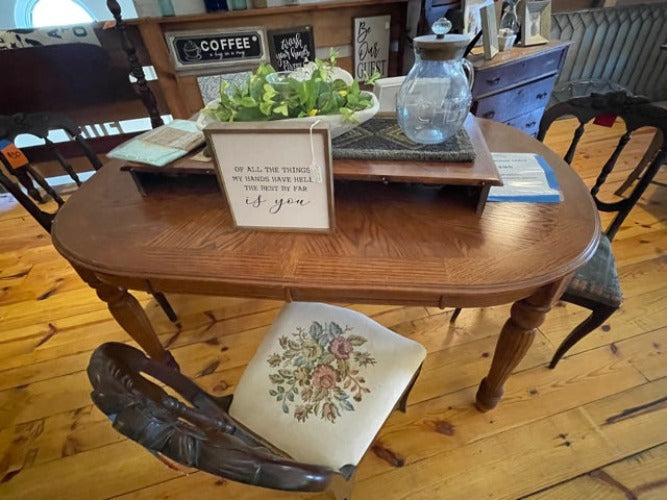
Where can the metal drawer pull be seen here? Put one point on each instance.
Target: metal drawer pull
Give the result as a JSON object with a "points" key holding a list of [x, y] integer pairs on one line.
{"points": [[489, 114], [493, 81], [530, 124], [542, 95]]}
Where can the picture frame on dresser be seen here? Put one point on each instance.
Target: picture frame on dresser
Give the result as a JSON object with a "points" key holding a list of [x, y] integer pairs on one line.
{"points": [[489, 31], [535, 19], [472, 18]]}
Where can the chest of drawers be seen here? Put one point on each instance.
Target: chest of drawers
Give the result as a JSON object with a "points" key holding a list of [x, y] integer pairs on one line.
{"points": [[514, 87]]}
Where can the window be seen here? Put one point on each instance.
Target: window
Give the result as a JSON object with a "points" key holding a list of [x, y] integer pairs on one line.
{"points": [[59, 13], [42, 13]]}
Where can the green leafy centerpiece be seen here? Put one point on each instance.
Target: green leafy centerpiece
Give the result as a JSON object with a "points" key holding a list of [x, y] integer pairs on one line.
{"points": [[318, 91]]}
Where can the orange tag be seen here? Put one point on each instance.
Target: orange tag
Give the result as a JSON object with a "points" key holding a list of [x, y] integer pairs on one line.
{"points": [[14, 155]]}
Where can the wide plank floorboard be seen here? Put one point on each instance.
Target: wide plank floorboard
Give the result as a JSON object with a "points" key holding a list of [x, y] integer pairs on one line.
{"points": [[592, 428]]}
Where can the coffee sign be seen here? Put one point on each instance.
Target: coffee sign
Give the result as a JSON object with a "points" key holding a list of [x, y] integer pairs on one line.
{"points": [[291, 48], [209, 49]]}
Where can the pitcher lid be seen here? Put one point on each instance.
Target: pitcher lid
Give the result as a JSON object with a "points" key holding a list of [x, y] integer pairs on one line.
{"points": [[440, 45]]}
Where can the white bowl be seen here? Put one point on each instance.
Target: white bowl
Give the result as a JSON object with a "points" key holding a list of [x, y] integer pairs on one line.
{"points": [[337, 125]]}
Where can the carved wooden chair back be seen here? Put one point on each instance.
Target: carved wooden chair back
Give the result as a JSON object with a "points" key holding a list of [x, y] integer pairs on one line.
{"points": [[317, 391], [636, 112], [39, 125], [198, 434]]}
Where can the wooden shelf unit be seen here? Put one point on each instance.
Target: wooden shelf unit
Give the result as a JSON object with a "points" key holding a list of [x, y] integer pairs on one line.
{"points": [[333, 26]]}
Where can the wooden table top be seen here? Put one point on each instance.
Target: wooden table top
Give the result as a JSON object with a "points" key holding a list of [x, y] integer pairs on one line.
{"points": [[392, 244]]}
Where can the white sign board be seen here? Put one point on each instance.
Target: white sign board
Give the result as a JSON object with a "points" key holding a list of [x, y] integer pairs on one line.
{"points": [[372, 37], [275, 175]]}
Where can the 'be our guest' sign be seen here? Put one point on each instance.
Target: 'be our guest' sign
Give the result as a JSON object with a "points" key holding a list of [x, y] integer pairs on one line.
{"points": [[275, 175], [371, 45], [291, 48]]}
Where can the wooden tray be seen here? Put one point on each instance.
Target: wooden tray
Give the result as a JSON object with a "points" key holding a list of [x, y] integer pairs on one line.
{"points": [[479, 175]]}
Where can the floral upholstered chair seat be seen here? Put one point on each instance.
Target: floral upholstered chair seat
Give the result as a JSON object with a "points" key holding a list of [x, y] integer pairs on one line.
{"points": [[323, 381]]}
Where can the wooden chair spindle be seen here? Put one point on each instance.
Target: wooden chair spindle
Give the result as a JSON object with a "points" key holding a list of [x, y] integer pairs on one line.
{"points": [[137, 71], [575, 142], [611, 162], [63, 162]]}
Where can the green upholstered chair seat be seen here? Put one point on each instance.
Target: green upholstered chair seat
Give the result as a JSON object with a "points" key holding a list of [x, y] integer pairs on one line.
{"points": [[598, 279]]}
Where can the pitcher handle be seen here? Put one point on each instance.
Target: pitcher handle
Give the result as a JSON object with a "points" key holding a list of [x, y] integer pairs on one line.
{"points": [[469, 70]]}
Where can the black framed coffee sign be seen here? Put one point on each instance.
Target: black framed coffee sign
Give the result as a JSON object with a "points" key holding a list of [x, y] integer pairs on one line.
{"points": [[291, 48], [212, 49]]}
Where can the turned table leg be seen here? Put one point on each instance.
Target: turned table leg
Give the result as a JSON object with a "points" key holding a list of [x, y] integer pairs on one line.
{"points": [[131, 317], [515, 338]]}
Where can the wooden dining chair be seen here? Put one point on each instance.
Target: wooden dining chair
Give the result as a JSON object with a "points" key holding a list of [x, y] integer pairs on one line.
{"points": [[306, 409], [596, 285], [29, 178]]}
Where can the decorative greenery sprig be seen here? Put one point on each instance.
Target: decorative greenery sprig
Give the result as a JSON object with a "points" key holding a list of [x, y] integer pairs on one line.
{"points": [[260, 100]]}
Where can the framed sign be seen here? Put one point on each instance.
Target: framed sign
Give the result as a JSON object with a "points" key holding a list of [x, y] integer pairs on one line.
{"points": [[371, 45], [386, 90], [489, 31], [291, 48], [275, 175], [214, 49], [472, 17], [535, 19]]}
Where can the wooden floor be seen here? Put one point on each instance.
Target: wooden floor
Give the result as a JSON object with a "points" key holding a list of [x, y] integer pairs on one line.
{"points": [[596, 427]]}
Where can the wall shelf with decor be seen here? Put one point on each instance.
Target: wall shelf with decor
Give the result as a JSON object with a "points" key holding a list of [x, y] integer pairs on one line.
{"points": [[332, 24]]}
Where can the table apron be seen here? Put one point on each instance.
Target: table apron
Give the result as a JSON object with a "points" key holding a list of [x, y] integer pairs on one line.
{"points": [[470, 298]]}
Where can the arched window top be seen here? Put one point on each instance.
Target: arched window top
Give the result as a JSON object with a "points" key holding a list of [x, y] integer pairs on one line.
{"points": [[59, 13], [42, 13]]}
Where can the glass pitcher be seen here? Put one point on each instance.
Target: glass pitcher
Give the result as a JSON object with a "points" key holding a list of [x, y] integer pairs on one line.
{"points": [[435, 97]]}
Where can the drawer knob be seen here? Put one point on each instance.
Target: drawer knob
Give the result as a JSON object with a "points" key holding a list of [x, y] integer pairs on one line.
{"points": [[493, 81], [489, 114], [542, 95]]}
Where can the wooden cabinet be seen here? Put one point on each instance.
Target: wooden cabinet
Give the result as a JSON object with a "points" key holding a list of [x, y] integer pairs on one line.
{"points": [[515, 86]]}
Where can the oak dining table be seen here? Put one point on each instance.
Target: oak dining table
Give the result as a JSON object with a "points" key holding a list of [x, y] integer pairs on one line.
{"points": [[402, 244]]}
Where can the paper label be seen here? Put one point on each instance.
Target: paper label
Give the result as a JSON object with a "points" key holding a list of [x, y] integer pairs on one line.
{"points": [[13, 155], [605, 120]]}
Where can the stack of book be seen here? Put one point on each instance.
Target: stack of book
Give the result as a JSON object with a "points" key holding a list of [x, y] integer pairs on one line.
{"points": [[161, 146]]}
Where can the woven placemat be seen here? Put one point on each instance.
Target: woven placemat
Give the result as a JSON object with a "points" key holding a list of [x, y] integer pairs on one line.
{"points": [[381, 138]]}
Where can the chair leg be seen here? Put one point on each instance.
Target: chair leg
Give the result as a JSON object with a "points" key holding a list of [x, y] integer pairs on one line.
{"points": [[598, 316], [652, 150], [341, 488], [455, 315], [402, 404], [166, 307]]}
